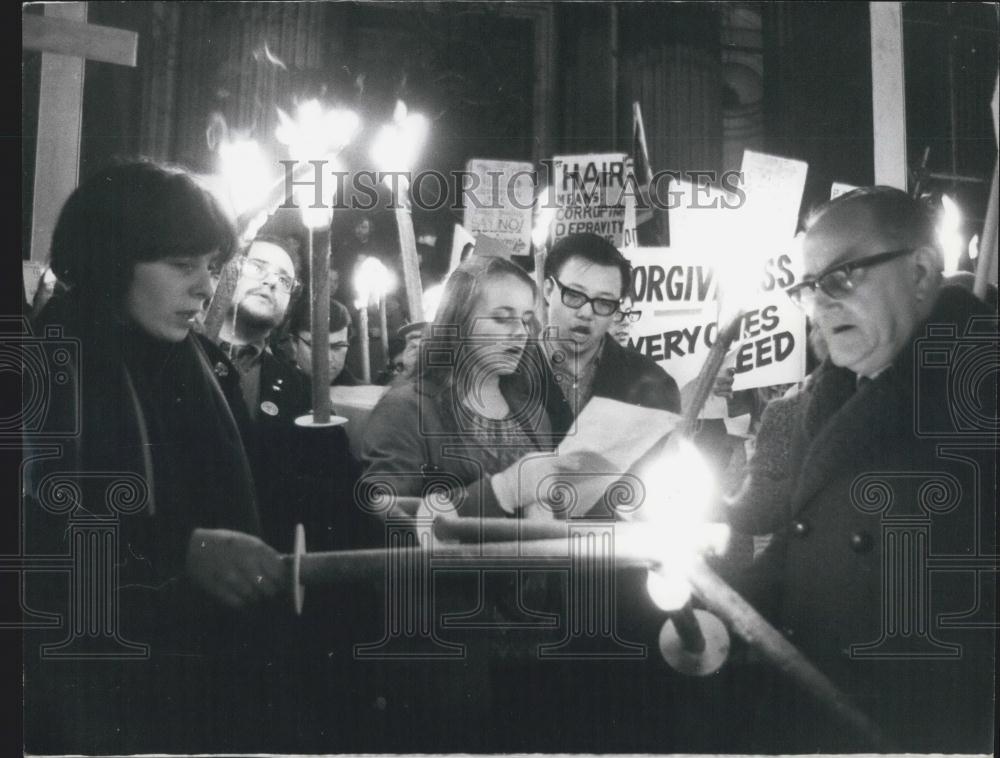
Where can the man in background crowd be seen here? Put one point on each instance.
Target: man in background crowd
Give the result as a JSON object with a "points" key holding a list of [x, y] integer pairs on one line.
{"points": [[301, 341], [586, 278]]}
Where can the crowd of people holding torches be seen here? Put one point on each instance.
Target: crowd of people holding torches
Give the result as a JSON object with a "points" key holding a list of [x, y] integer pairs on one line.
{"points": [[226, 417]]}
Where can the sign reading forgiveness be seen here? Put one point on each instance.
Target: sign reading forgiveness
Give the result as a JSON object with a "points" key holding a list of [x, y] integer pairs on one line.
{"points": [[676, 290]]}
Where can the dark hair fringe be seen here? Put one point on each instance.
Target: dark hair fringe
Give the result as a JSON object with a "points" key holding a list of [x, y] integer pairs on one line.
{"points": [[591, 248], [134, 210]]}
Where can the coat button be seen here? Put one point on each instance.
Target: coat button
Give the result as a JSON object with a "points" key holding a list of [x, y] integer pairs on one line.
{"points": [[800, 528], [861, 542]]}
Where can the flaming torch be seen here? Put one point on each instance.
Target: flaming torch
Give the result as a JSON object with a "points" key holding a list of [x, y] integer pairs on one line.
{"points": [[317, 134], [395, 151], [245, 177], [372, 281], [949, 234]]}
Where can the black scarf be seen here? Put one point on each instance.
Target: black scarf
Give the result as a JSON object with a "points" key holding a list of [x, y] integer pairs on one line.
{"points": [[153, 411]]}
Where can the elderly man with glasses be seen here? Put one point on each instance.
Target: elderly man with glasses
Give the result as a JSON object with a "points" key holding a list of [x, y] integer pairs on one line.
{"points": [[880, 466], [586, 279]]}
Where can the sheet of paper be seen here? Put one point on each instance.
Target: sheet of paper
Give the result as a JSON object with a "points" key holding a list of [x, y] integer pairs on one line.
{"points": [[607, 440], [619, 432]]}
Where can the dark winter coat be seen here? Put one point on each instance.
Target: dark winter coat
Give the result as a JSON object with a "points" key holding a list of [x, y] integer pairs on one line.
{"points": [[881, 496]]}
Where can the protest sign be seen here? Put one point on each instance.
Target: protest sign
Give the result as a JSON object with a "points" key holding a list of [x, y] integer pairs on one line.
{"points": [[677, 294], [591, 193], [667, 279], [701, 216], [500, 202], [773, 188]]}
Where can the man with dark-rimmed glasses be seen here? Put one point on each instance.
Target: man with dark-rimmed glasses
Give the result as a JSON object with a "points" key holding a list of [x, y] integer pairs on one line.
{"points": [[586, 279], [843, 474]]}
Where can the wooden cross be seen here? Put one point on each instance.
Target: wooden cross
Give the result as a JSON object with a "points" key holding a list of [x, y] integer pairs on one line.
{"points": [[66, 42]]}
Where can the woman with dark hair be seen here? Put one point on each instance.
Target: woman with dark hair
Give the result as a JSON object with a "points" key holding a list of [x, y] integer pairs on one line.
{"points": [[471, 390], [138, 247]]}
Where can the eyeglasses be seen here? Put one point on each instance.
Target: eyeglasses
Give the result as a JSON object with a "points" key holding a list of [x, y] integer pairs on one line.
{"points": [[575, 299], [333, 345], [630, 315], [839, 281], [258, 270]]}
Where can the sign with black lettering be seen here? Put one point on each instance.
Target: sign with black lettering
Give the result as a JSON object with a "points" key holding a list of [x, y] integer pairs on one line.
{"points": [[668, 279], [676, 293], [499, 201], [592, 192]]}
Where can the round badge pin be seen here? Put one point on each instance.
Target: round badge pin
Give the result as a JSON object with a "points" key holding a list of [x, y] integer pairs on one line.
{"points": [[269, 408]]}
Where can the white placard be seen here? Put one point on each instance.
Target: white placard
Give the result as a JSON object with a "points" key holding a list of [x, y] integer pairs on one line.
{"points": [[676, 293], [499, 205], [592, 192], [773, 188]]}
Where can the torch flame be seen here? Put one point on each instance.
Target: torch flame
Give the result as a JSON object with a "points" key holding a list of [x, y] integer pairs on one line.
{"points": [[245, 173], [668, 590], [681, 491], [397, 144], [372, 280], [315, 132], [949, 234]]}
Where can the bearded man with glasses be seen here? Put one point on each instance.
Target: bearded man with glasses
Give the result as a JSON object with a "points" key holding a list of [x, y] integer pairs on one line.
{"points": [[275, 392], [905, 404], [586, 279]]}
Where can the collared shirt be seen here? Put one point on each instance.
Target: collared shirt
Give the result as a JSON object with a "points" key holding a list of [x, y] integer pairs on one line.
{"points": [[247, 359], [577, 387]]}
